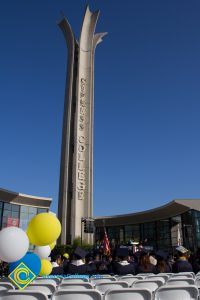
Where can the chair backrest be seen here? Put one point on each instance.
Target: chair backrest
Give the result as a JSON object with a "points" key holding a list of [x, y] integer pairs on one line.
{"points": [[82, 279], [95, 281], [5, 279], [159, 277], [184, 275], [55, 280], [197, 281], [22, 295], [78, 286], [76, 295], [103, 287], [177, 292], [177, 281], [45, 281], [101, 276], [46, 288], [128, 294], [152, 285], [133, 276], [156, 278], [145, 274], [130, 280], [5, 286]]}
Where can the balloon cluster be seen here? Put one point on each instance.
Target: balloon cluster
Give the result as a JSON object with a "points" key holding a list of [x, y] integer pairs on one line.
{"points": [[42, 231]]}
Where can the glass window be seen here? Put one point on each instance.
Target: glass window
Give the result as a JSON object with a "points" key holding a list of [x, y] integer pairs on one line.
{"points": [[15, 207], [114, 233], [33, 210], [24, 209], [26, 213], [7, 206], [14, 214], [6, 213], [41, 210], [23, 216], [132, 232], [5, 219], [149, 234], [163, 238]]}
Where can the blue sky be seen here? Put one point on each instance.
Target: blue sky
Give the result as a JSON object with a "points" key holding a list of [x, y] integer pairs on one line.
{"points": [[147, 100]]}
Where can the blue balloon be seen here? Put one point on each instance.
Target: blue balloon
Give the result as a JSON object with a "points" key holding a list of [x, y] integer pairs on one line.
{"points": [[31, 260]]}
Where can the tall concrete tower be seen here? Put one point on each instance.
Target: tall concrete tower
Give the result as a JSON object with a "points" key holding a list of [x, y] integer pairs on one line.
{"points": [[76, 167]]}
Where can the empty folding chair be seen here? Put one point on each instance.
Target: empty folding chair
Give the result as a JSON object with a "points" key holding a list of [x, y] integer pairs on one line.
{"points": [[5, 286], [46, 288], [76, 295], [103, 287], [55, 280], [78, 286], [177, 292], [22, 295], [166, 274], [101, 276], [71, 279], [145, 274], [197, 281], [5, 279], [152, 285], [177, 281], [132, 276], [95, 281], [128, 294], [184, 275], [157, 278], [131, 279]]}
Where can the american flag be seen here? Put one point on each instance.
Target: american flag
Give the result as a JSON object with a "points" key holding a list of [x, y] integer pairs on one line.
{"points": [[106, 244]]}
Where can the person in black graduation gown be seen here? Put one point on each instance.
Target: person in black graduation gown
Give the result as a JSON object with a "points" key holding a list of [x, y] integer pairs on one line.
{"points": [[122, 266], [76, 265], [182, 264], [162, 265], [57, 265], [145, 265]]}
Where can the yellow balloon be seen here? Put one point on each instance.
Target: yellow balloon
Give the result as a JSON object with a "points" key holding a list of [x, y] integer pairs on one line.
{"points": [[46, 267], [43, 229], [52, 245]]}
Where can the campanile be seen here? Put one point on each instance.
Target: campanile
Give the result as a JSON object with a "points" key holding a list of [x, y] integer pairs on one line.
{"points": [[76, 165]]}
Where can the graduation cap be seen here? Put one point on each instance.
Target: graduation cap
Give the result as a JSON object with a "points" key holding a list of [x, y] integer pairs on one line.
{"points": [[123, 252], [181, 249], [161, 254], [66, 255], [79, 253]]}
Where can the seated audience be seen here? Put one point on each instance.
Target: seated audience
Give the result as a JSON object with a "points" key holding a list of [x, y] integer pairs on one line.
{"points": [[122, 266], [162, 265], [182, 264], [145, 266], [56, 262], [77, 264]]}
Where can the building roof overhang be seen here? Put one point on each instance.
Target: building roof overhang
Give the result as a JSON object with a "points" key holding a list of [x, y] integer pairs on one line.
{"points": [[23, 199], [171, 209]]}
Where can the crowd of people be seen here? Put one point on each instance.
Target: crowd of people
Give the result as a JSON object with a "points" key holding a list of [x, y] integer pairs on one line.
{"points": [[122, 262]]}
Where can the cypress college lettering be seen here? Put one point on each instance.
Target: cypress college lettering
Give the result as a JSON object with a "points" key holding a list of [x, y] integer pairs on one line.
{"points": [[81, 176]]}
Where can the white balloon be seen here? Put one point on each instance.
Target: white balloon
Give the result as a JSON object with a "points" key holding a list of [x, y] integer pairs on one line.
{"points": [[42, 251], [14, 244]]}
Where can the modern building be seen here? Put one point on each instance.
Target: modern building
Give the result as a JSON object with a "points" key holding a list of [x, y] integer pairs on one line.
{"points": [[17, 209], [165, 227], [76, 166]]}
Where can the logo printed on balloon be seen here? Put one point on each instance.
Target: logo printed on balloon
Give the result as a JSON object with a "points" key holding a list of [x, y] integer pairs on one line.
{"points": [[22, 276]]}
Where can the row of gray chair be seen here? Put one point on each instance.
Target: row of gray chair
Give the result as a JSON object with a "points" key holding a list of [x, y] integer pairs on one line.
{"points": [[163, 293]]}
